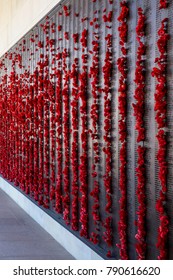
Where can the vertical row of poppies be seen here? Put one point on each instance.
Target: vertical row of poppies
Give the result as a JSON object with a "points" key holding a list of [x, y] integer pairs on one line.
{"points": [[139, 113], [122, 106], [160, 73]]}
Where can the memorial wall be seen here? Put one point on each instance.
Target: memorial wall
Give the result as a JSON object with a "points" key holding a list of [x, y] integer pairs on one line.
{"points": [[86, 129]]}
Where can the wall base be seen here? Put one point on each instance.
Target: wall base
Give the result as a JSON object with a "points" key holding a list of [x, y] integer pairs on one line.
{"points": [[72, 244]]}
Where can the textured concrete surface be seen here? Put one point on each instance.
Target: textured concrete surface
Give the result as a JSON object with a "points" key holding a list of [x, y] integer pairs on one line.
{"points": [[22, 238]]}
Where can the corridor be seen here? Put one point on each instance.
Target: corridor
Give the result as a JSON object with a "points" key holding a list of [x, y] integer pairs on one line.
{"points": [[22, 238]]}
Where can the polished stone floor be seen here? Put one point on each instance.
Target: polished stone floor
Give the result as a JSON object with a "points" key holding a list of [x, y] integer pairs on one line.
{"points": [[22, 238]]}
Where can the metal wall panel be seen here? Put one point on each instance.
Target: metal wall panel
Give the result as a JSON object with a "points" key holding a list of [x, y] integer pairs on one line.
{"points": [[23, 135]]}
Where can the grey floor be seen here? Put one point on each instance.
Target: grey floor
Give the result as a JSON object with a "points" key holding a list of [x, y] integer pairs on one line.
{"points": [[22, 238]]}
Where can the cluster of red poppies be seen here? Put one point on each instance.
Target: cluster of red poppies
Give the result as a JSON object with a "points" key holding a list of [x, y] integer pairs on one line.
{"points": [[160, 73], [13, 132], [74, 75], [107, 73], [83, 167], [52, 140], [94, 76], [122, 67], [66, 130], [46, 144], [139, 111], [38, 114], [163, 4], [58, 113], [4, 150], [66, 10]]}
